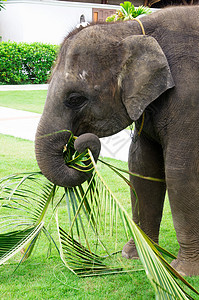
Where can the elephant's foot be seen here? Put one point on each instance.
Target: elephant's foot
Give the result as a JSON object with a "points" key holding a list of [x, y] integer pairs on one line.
{"points": [[129, 250], [186, 267]]}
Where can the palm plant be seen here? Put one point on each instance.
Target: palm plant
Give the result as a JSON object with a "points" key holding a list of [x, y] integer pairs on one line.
{"points": [[93, 216], [128, 12]]}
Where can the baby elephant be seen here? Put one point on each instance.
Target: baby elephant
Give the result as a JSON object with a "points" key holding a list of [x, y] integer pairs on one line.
{"points": [[109, 75]]}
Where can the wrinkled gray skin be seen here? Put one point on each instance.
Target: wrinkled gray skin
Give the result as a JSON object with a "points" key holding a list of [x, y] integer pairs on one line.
{"points": [[106, 76]]}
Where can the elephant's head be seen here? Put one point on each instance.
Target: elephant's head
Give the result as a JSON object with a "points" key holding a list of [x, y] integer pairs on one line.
{"points": [[101, 83]]}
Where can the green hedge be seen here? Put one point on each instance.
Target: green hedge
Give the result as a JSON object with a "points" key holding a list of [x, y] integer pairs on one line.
{"points": [[23, 63]]}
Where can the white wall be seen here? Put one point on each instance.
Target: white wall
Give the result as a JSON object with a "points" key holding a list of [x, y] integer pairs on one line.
{"points": [[43, 21]]}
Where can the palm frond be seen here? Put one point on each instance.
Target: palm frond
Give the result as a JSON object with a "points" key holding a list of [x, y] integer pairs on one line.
{"points": [[98, 218], [79, 260], [13, 242], [25, 199]]}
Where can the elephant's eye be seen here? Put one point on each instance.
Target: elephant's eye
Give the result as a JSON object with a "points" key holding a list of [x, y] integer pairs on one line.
{"points": [[75, 101]]}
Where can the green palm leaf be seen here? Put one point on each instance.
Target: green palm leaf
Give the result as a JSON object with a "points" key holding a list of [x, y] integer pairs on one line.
{"points": [[13, 242], [99, 217], [25, 199]]}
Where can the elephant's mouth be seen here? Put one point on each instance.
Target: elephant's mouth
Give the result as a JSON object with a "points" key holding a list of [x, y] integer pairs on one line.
{"points": [[49, 150]]}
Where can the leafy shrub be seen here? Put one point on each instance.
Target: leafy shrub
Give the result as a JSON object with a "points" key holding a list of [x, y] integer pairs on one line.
{"points": [[23, 63], [128, 12]]}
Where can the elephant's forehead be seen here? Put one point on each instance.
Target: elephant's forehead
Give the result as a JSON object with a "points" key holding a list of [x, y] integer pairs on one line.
{"points": [[90, 55], [81, 52], [84, 63], [81, 76]]}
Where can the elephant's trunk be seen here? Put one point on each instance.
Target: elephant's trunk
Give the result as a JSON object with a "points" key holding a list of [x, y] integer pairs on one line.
{"points": [[49, 155]]}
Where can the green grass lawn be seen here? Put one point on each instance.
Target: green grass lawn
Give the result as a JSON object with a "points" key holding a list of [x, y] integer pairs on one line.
{"points": [[25, 100]]}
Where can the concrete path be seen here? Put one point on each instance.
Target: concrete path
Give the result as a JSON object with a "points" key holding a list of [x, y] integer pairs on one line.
{"points": [[18, 123], [23, 124], [25, 87]]}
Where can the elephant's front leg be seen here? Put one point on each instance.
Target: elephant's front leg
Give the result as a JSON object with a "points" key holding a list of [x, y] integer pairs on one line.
{"points": [[146, 158]]}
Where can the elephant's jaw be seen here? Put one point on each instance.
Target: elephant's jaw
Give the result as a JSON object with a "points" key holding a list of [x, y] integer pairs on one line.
{"points": [[49, 154]]}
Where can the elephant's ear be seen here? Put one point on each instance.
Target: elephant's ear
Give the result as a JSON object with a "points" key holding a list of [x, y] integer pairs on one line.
{"points": [[145, 74]]}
